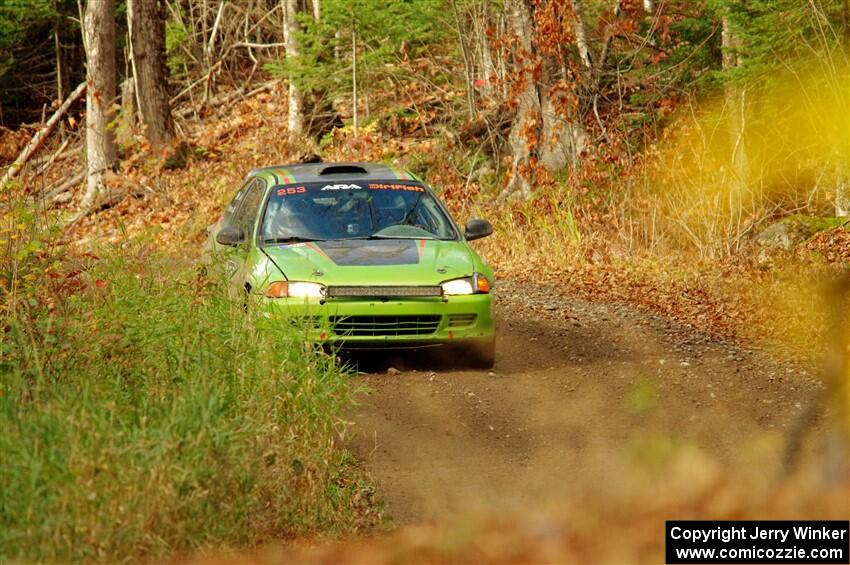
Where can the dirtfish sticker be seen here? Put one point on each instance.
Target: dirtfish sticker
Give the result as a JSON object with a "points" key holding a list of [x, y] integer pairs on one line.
{"points": [[342, 187], [395, 186]]}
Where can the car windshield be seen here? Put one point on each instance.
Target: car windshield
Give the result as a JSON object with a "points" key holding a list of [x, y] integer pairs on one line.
{"points": [[353, 210]]}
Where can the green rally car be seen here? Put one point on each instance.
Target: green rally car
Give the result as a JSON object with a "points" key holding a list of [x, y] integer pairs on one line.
{"points": [[365, 252]]}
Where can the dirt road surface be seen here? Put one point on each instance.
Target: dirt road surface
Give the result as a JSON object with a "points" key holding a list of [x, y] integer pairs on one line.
{"points": [[582, 394]]}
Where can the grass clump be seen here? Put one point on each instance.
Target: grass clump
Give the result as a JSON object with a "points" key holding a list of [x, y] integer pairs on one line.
{"points": [[144, 413]]}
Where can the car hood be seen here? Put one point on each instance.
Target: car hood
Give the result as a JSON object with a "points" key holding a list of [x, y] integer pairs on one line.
{"points": [[374, 262]]}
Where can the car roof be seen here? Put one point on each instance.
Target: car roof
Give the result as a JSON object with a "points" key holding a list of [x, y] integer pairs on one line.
{"points": [[318, 172]]}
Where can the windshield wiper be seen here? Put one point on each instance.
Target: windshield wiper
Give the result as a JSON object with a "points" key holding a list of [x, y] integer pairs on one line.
{"points": [[291, 239]]}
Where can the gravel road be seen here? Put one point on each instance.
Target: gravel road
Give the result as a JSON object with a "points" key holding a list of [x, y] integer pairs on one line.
{"points": [[583, 394]]}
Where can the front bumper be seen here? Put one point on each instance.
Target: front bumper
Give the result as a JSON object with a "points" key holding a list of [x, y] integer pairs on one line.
{"points": [[376, 323]]}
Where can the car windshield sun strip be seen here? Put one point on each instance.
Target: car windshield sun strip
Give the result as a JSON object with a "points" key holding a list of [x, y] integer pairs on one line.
{"points": [[291, 239]]}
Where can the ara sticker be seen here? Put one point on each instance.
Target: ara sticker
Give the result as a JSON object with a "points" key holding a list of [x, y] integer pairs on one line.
{"points": [[291, 190], [342, 187], [393, 186]]}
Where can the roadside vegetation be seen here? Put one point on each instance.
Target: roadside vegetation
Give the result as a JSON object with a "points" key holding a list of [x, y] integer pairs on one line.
{"points": [[144, 413]]}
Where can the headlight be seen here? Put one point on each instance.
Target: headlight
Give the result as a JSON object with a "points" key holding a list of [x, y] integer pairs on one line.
{"points": [[295, 289], [476, 284], [458, 286]]}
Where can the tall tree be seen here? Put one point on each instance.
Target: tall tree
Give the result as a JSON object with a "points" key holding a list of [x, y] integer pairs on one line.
{"points": [[580, 32], [295, 120], [547, 132], [525, 134], [147, 39], [842, 187], [99, 40], [735, 98]]}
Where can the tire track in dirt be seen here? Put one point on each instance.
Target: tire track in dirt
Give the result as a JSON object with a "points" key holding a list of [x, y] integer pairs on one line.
{"points": [[582, 394]]}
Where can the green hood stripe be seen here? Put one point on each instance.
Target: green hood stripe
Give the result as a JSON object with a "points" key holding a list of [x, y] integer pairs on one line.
{"points": [[285, 176], [317, 249], [399, 174]]}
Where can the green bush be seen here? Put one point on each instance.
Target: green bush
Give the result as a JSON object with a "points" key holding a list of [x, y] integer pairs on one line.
{"points": [[143, 412], [176, 38]]}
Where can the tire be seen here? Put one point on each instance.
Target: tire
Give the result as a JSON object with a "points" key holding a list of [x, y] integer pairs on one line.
{"points": [[482, 355]]}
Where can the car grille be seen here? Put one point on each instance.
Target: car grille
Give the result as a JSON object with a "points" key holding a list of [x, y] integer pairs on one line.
{"points": [[382, 326], [462, 320], [384, 291]]}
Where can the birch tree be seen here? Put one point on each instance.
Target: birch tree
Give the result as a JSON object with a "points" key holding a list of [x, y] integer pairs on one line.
{"points": [[735, 98], [842, 187], [580, 31], [99, 41], [295, 121]]}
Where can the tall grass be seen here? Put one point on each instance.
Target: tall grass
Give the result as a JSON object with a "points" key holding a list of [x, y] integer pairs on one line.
{"points": [[143, 413], [538, 233], [722, 172]]}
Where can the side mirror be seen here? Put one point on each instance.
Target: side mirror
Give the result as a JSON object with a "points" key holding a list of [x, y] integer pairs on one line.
{"points": [[476, 229], [230, 235]]}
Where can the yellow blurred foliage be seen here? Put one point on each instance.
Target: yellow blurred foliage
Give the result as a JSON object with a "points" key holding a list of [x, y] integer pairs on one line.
{"points": [[758, 152]]}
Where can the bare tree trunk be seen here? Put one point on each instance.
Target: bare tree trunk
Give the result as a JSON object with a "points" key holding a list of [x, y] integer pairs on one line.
{"points": [[563, 137], [129, 109], [60, 72], [842, 187], [542, 135], [99, 36], [295, 117], [354, 76], [209, 45], [338, 44], [468, 70], [845, 16], [524, 138], [488, 67], [147, 37], [581, 34], [842, 194], [735, 99], [317, 9], [60, 65]]}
